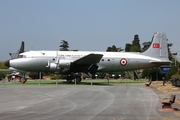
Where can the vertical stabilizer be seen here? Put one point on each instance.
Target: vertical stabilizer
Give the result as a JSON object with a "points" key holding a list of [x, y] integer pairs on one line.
{"points": [[21, 50], [158, 47]]}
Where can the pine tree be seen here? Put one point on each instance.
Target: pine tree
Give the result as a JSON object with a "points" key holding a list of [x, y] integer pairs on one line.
{"points": [[64, 45], [135, 42]]}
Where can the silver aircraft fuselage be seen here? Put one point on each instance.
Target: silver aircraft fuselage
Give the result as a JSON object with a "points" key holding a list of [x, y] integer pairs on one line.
{"points": [[38, 61]]}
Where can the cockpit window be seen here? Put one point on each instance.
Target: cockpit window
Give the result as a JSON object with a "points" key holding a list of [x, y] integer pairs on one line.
{"points": [[24, 56], [20, 56]]}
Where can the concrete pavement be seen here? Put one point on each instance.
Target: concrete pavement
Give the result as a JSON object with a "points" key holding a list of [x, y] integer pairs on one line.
{"points": [[81, 103]]}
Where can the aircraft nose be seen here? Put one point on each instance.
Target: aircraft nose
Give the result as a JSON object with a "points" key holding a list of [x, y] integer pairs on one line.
{"points": [[7, 63]]}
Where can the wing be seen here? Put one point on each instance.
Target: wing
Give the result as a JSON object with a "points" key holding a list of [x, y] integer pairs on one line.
{"points": [[86, 64]]}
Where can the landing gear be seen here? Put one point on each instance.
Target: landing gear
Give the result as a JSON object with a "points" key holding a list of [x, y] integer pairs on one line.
{"points": [[23, 79], [78, 79], [75, 77], [69, 79]]}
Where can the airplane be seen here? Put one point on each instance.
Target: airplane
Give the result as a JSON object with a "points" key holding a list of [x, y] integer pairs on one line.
{"points": [[74, 62], [17, 73], [21, 50]]}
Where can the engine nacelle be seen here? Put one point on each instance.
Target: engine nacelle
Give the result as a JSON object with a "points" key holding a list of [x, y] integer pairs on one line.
{"points": [[52, 67], [64, 63]]}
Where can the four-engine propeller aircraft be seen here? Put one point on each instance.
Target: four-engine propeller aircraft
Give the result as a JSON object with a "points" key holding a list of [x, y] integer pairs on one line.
{"points": [[73, 62]]}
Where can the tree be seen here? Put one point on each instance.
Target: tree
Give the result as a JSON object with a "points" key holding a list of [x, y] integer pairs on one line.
{"points": [[109, 49], [146, 45], [64, 45], [171, 72], [35, 75], [2, 66], [135, 42], [135, 46], [134, 49], [128, 47], [2, 75], [119, 49], [145, 73], [169, 51], [114, 49]]}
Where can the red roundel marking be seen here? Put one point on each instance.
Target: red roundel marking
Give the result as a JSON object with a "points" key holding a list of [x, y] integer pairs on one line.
{"points": [[123, 61]]}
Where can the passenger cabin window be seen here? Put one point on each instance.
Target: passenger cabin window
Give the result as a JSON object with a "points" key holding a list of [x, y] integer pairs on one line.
{"points": [[108, 59], [102, 59]]}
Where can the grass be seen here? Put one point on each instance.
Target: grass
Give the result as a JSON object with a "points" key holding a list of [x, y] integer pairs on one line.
{"points": [[100, 82]]}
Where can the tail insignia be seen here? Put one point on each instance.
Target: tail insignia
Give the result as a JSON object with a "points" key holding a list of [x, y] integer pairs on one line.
{"points": [[156, 45]]}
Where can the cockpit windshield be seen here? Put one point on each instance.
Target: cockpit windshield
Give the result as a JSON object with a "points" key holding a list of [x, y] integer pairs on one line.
{"points": [[23, 56]]}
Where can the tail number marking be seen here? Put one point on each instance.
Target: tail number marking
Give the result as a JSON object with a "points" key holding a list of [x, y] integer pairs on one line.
{"points": [[123, 61]]}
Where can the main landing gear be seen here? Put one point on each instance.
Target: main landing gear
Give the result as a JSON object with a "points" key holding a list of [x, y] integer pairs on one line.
{"points": [[75, 77]]}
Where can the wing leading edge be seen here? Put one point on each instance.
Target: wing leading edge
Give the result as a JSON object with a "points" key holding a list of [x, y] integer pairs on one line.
{"points": [[86, 64]]}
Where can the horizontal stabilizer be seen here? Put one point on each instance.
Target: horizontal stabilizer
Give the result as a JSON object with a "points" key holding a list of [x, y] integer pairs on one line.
{"points": [[176, 58]]}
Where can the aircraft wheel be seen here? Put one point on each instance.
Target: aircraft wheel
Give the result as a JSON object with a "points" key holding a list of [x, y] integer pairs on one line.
{"points": [[69, 79], [23, 80], [78, 79]]}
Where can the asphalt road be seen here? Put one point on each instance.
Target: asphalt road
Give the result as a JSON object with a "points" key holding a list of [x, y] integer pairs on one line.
{"points": [[80, 103]]}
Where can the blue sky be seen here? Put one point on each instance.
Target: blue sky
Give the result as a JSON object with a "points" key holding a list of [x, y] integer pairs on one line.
{"points": [[86, 24]]}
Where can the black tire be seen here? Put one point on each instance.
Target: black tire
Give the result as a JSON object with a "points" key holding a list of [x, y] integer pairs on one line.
{"points": [[69, 79], [78, 79], [23, 80]]}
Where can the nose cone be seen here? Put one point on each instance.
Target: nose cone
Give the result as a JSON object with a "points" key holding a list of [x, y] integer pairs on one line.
{"points": [[7, 63]]}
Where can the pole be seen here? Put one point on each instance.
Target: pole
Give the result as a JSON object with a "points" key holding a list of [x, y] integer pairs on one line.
{"points": [[56, 82], [39, 79], [91, 81], [75, 81]]}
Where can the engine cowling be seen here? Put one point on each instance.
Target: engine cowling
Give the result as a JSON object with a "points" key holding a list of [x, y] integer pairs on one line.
{"points": [[64, 63], [53, 67]]}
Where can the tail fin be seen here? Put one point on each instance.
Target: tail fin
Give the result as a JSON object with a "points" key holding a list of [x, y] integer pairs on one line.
{"points": [[21, 50], [158, 47]]}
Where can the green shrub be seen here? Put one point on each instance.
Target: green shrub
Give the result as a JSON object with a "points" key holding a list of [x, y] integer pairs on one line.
{"points": [[171, 72], [54, 77], [2, 65], [175, 76], [35, 75], [2, 75]]}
